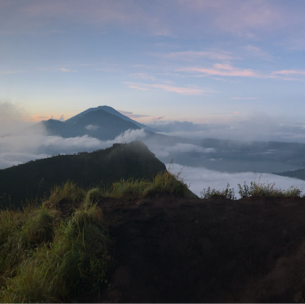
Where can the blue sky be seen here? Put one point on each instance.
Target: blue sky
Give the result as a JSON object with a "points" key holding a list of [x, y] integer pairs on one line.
{"points": [[201, 61]]}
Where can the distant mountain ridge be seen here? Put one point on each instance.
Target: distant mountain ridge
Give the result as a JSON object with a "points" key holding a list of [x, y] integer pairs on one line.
{"points": [[104, 123], [97, 169], [109, 110], [300, 174]]}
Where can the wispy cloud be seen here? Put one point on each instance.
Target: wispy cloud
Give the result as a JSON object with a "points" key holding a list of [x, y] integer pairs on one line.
{"points": [[143, 76], [221, 70], [35, 16], [255, 127], [68, 70], [132, 115], [168, 88], [243, 98], [290, 72], [39, 117], [257, 52], [195, 55]]}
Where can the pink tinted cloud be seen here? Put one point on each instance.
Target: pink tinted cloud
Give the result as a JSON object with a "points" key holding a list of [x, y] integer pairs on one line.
{"points": [[239, 17], [39, 117], [195, 55], [168, 88], [290, 72], [221, 70], [67, 70], [180, 90]]}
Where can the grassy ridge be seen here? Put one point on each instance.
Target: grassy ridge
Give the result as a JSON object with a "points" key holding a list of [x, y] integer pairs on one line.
{"points": [[52, 254], [101, 168], [59, 251]]}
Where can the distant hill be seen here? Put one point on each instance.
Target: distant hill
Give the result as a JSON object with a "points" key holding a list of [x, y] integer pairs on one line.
{"points": [[300, 174], [103, 123], [100, 168], [109, 110]]}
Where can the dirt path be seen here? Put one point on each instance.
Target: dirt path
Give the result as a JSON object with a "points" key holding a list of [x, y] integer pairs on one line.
{"points": [[171, 249]]}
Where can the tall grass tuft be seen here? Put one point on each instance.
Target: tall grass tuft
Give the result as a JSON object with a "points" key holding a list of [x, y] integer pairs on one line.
{"points": [[68, 191], [210, 193], [45, 258], [163, 182], [268, 190], [167, 182]]}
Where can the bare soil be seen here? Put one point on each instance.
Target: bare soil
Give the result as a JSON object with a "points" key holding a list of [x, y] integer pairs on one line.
{"points": [[172, 249]]}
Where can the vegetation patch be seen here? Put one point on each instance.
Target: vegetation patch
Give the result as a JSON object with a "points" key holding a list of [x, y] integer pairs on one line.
{"points": [[163, 182], [268, 189], [59, 251], [254, 189], [210, 193], [131, 188], [48, 257]]}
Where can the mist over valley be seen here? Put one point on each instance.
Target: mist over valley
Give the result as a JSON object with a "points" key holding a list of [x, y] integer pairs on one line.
{"points": [[203, 161]]}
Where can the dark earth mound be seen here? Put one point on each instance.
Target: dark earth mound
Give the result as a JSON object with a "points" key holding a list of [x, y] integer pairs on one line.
{"points": [[171, 249]]}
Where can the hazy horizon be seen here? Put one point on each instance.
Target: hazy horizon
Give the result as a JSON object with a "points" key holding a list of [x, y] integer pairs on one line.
{"points": [[228, 70]]}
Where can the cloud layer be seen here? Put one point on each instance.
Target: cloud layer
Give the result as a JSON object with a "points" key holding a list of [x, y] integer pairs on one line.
{"points": [[200, 178], [18, 149], [258, 127]]}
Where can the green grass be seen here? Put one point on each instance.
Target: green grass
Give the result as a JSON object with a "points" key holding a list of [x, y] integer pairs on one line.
{"points": [[252, 190], [47, 258], [162, 183], [68, 191], [50, 255], [165, 182], [210, 193], [267, 190]]}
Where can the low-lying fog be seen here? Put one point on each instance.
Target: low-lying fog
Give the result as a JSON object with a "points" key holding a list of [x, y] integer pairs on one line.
{"points": [[15, 150], [201, 178], [205, 162]]}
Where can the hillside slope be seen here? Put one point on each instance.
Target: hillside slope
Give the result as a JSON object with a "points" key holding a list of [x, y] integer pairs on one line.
{"points": [[99, 168], [173, 249], [300, 174]]}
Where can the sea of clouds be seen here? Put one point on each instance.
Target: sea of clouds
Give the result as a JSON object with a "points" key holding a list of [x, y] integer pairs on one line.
{"points": [[17, 149], [200, 178]]}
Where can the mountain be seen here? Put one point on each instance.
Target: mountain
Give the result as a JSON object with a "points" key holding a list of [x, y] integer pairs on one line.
{"points": [[100, 168], [109, 110], [95, 122], [300, 174]]}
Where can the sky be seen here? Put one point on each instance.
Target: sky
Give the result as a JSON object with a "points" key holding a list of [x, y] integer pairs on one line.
{"points": [[235, 63]]}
